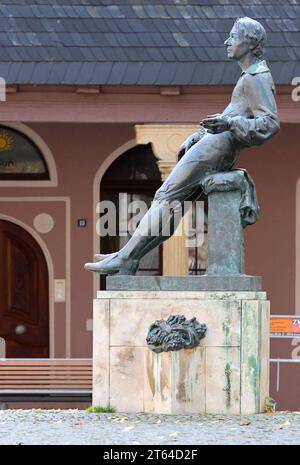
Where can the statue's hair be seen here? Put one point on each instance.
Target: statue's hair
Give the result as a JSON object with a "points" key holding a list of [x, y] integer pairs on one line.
{"points": [[254, 32]]}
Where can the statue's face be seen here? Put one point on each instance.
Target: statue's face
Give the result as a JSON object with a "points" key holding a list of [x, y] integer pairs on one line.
{"points": [[237, 45]]}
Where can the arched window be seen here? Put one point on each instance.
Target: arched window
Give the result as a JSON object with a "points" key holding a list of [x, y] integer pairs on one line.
{"points": [[134, 176], [20, 158]]}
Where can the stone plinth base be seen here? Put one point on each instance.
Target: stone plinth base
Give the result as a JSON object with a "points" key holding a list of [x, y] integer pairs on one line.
{"points": [[241, 282], [227, 373]]}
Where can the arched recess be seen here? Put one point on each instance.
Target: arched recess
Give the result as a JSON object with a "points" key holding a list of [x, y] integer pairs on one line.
{"points": [[130, 183], [46, 152], [97, 181], [50, 267]]}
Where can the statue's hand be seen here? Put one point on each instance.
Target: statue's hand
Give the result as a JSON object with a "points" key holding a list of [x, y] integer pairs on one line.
{"points": [[216, 124]]}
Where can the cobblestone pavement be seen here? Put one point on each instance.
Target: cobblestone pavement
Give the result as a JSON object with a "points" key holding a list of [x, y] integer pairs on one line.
{"points": [[79, 427]]}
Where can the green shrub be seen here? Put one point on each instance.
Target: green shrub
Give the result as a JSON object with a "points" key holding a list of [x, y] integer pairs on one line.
{"points": [[99, 409]]}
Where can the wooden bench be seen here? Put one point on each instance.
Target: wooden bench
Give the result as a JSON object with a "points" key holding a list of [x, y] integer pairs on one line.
{"points": [[57, 380]]}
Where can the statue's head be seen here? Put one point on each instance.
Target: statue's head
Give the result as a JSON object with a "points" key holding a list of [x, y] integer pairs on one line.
{"points": [[246, 36]]}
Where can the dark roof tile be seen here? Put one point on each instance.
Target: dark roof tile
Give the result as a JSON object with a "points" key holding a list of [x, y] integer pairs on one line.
{"points": [[139, 11], [101, 74], [132, 72], [134, 25], [41, 73], [25, 73], [166, 73], [183, 73], [57, 73], [202, 71], [72, 71], [13, 72], [59, 11], [215, 53], [173, 11], [86, 72], [98, 53], [117, 73], [149, 72], [292, 38], [120, 26], [208, 11]]}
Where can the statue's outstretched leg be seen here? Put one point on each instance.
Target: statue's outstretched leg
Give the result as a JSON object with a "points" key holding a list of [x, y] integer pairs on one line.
{"points": [[156, 226]]}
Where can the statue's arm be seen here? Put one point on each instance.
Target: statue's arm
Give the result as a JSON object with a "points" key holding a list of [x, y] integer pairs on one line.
{"points": [[264, 122]]}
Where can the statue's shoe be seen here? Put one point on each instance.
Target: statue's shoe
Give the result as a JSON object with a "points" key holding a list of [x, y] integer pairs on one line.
{"points": [[114, 264]]}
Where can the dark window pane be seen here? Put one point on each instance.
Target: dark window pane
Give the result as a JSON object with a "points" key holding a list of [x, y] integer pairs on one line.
{"points": [[138, 163]]}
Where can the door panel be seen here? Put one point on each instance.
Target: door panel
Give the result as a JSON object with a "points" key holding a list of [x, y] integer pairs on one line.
{"points": [[24, 309]]}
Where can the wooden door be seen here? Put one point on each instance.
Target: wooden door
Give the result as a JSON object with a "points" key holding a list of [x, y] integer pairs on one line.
{"points": [[24, 309]]}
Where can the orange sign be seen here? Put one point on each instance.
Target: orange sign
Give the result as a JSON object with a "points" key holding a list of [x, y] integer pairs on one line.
{"points": [[284, 324]]}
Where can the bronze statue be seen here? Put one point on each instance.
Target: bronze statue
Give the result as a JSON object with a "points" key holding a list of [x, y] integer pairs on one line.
{"points": [[250, 119]]}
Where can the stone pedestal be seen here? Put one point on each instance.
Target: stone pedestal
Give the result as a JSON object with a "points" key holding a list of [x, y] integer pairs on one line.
{"points": [[225, 234], [227, 373]]}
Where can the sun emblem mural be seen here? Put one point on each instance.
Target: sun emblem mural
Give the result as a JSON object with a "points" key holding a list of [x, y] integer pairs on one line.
{"points": [[20, 158], [6, 141]]}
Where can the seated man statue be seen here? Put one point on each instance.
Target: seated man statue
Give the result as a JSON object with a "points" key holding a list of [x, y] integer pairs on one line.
{"points": [[250, 119]]}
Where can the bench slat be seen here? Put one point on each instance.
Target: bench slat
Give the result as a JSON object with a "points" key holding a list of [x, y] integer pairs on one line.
{"points": [[50, 376]]}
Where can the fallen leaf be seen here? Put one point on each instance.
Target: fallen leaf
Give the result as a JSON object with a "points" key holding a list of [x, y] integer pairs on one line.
{"points": [[128, 428], [120, 419], [283, 425]]}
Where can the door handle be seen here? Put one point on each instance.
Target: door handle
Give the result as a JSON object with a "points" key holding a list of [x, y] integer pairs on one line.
{"points": [[20, 329]]}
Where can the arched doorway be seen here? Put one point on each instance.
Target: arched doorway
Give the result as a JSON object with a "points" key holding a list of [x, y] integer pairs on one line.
{"points": [[24, 306], [134, 175]]}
